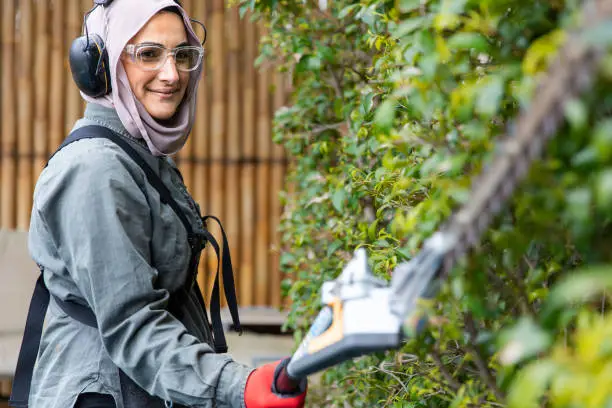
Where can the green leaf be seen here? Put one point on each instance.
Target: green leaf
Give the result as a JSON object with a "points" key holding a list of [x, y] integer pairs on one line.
{"points": [[490, 95], [333, 247], [453, 6], [525, 340], [287, 258], [580, 286], [406, 6], [347, 10], [602, 139], [314, 63], [408, 26], [467, 41], [338, 200], [372, 230], [531, 384], [604, 190], [576, 113], [578, 204], [385, 114]]}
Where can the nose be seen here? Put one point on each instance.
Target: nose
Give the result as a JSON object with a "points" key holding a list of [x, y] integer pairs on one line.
{"points": [[168, 71]]}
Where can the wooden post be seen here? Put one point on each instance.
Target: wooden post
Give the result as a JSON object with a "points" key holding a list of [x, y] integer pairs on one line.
{"points": [[247, 171], [86, 5], [25, 114], [184, 157], [56, 84], [216, 193], [263, 187], [232, 175], [5, 388], [200, 135], [72, 98], [41, 67], [9, 129]]}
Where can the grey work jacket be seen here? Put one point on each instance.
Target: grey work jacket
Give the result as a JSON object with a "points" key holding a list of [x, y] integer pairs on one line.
{"points": [[103, 237]]}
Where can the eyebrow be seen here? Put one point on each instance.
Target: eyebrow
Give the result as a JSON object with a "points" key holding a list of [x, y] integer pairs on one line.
{"points": [[184, 43]]}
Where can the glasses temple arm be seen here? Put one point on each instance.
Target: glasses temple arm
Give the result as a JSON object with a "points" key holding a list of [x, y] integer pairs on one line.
{"points": [[193, 20]]}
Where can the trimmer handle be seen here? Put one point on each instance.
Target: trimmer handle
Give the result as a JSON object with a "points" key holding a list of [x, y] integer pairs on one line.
{"points": [[284, 385]]}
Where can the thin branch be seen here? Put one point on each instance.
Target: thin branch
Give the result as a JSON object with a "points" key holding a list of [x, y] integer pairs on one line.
{"points": [[361, 75], [383, 369], [481, 364], [435, 354], [322, 128], [336, 83]]}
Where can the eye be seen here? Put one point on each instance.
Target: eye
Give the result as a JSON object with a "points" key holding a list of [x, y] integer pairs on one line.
{"points": [[185, 57], [149, 54]]}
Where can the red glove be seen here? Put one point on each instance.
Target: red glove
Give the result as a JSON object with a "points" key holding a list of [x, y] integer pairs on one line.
{"points": [[261, 390]]}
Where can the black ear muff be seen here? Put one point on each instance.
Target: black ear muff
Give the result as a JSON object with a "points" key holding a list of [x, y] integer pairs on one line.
{"points": [[89, 65]]}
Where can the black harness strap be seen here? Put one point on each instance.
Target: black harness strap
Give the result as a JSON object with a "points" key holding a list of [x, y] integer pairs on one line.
{"points": [[40, 299], [93, 132], [228, 284], [30, 345]]}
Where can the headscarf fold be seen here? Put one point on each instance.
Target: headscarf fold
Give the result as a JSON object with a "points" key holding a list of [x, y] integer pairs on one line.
{"points": [[117, 24]]}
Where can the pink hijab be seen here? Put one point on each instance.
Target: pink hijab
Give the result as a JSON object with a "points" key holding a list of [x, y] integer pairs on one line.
{"points": [[125, 18]]}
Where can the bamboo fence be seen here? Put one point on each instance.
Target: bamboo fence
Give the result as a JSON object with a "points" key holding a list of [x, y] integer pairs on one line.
{"points": [[229, 163]]}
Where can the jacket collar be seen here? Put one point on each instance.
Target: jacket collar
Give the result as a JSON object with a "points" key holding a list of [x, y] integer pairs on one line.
{"points": [[109, 118]]}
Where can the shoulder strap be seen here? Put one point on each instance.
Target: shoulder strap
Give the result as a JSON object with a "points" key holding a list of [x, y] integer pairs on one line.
{"points": [[94, 132], [30, 344]]}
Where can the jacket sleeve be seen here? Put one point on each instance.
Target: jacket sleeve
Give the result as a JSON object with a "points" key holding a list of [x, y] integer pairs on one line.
{"points": [[98, 216]]}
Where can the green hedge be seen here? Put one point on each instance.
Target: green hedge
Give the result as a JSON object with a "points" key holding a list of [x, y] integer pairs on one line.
{"points": [[396, 106]]}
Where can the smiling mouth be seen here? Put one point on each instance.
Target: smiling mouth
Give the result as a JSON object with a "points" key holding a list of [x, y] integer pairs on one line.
{"points": [[164, 93]]}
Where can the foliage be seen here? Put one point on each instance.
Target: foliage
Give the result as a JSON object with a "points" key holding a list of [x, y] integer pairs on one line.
{"points": [[396, 106]]}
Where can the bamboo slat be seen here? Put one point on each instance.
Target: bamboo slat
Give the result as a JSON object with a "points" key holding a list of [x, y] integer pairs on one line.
{"points": [[247, 171], [86, 5], [41, 68], [56, 83], [262, 227], [185, 156], [5, 388], [1, 104], [9, 130], [73, 23], [232, 180], [230, 164], [216, 192], [200, 139], [25, 113]]}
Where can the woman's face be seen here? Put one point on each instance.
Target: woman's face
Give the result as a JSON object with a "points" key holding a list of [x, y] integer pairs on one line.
{"points": [[160, 91]]}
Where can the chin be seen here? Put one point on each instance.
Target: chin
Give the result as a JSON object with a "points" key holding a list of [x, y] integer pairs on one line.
{"points": [[162, 114]]}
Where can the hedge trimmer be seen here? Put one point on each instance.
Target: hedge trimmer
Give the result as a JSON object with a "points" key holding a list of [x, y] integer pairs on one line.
{"points": [[362, 313]]}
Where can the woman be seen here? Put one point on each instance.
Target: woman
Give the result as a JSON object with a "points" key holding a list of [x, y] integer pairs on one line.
{"points": [[104, 238]]}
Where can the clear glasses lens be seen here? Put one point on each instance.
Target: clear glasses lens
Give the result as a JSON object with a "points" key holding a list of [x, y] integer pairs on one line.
{"points": [[153, 57]]}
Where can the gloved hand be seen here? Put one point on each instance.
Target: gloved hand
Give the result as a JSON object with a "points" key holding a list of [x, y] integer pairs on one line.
{"points": [[261, 388]]}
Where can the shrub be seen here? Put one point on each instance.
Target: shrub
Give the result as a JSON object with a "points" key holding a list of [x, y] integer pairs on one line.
{"points": [[396, 106]]}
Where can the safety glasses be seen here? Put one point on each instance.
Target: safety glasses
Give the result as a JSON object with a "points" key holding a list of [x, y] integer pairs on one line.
{"points": [[152, 57]]}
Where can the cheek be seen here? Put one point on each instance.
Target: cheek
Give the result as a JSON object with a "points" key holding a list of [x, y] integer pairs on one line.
{"points": [[184, 78]]}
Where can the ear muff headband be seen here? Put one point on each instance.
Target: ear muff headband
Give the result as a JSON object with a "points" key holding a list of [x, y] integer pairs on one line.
{"points": [[102, 64]]}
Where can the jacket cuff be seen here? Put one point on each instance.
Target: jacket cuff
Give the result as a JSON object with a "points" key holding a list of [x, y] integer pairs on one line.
{"points": [[232, 382]]}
